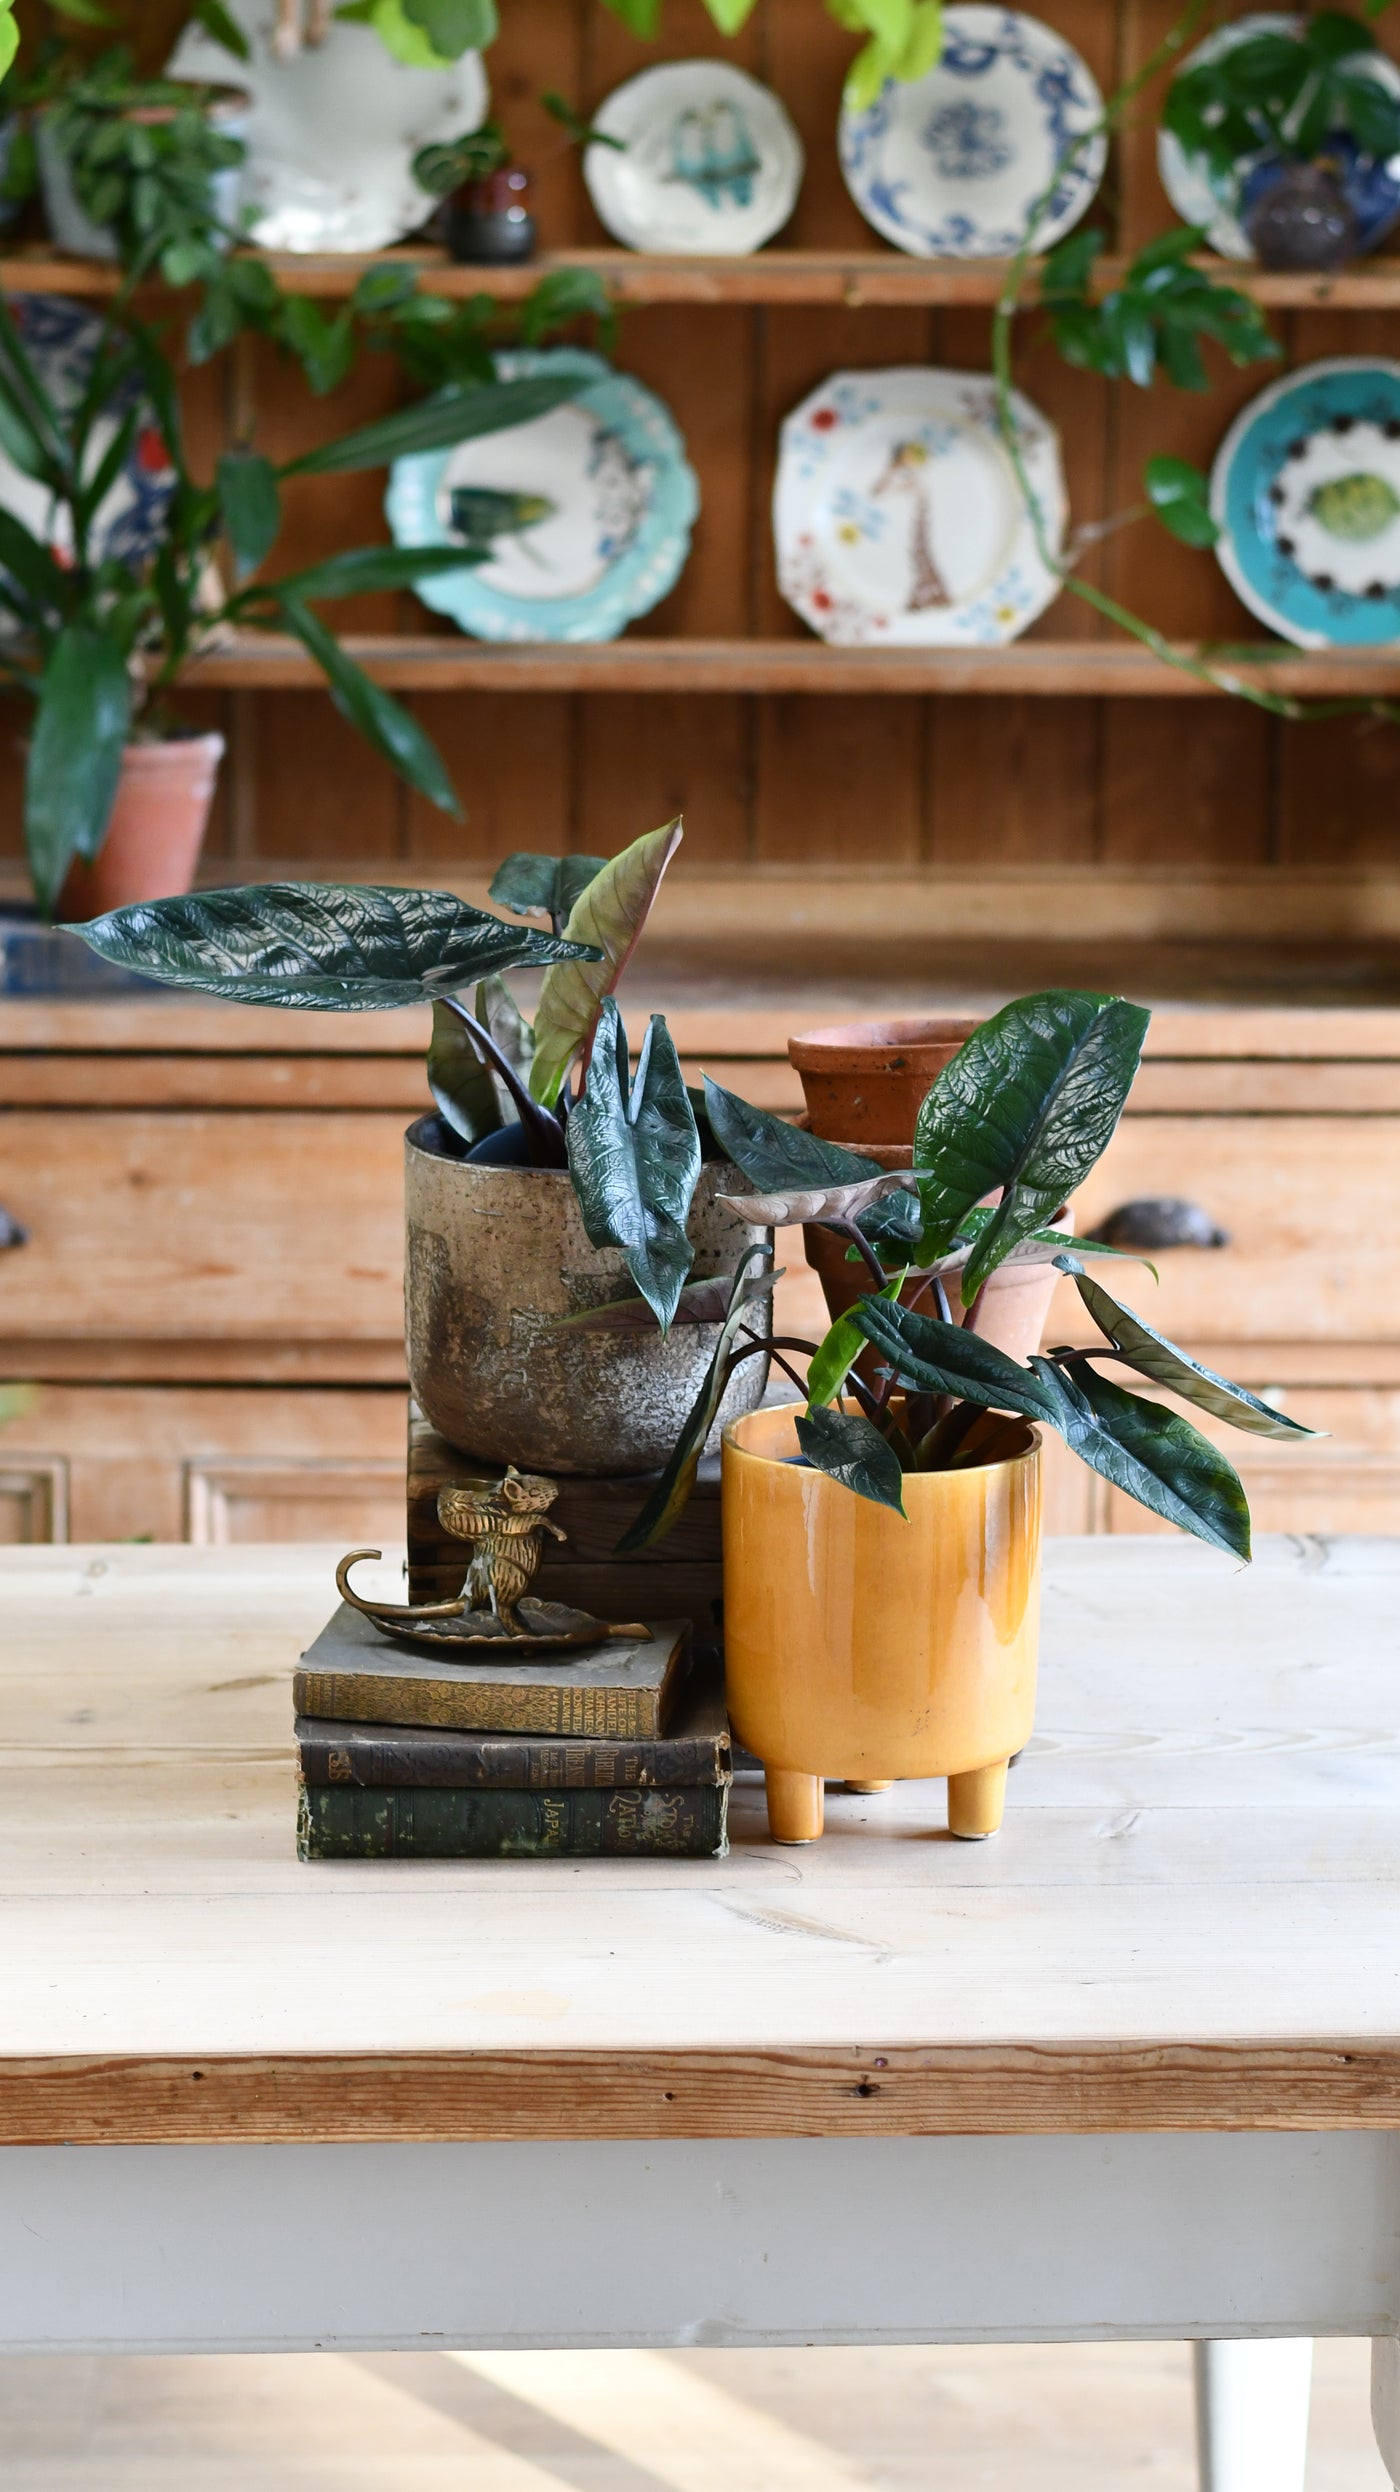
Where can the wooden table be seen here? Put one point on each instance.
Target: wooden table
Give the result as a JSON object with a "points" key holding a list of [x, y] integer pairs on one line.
{"points": [[1133, 2070]]}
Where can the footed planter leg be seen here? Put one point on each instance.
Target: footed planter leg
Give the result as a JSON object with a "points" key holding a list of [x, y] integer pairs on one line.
{"points": [[867, 1786], [796, 1805], [976, 1801]]}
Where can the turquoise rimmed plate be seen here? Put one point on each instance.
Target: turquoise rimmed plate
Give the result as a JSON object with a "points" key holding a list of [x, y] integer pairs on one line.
{"points": [[1306, 493]]}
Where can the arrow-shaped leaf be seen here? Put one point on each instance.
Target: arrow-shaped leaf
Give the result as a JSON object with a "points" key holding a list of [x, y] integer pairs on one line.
{"points": [[850, 1448], [775, 1156], [536, 886], [1151, 1453], [328, 947], [634, 1155], [1028, 1104], [945, 1358], [1153, 1355], [608, 916]]}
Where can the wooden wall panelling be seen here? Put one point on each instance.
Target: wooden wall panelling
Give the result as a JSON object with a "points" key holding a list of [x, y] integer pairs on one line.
{"points": [[539, 48], [1014, 781], [1177, 795], [33, 1499], [328, 1498], [643, 758], [511, 759]]}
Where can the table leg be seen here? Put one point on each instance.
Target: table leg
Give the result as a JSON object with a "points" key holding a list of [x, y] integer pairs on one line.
{"points": [[1385, 2401], [1252, 2413]]}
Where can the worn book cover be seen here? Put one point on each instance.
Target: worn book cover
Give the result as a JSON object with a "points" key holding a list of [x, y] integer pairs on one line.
{"points": [[378, 1757], [621, 1690], [340, 1823]]}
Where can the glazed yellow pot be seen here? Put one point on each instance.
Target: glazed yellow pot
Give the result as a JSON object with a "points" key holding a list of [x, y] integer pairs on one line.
{"points": [[866, 1648]]}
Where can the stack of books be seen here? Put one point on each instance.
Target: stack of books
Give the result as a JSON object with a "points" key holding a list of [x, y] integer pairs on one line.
{"points": [[622, 1748]]}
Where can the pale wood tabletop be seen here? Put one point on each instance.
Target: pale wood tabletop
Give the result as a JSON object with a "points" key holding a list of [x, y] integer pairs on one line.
{"points": [[1189, 1922]]}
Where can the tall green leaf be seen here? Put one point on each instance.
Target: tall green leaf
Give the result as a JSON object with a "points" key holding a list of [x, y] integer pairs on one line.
{"points": [[945, 1358], [1153, 1355], [850, 1449], [609, 915], [366, 569], [634, 1155], [75, 755], [837, 1352], [536, 886], [1029, 1103], [1151, 1453], [250, 505], [383, 721], [671, 1494], [43, 582], [437, 423], [223, 28], [316, 947]]}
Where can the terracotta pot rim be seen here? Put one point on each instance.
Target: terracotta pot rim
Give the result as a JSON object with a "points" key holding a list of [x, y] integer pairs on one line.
{"points": [[164, 752], [921, 1482], [826, 1049]]}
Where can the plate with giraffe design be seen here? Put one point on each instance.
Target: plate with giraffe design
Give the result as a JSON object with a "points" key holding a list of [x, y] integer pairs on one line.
{"points": [[898, 518]]}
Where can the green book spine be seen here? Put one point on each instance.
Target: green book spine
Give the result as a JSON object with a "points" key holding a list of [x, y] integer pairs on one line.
{"points": [[342, 1823]]}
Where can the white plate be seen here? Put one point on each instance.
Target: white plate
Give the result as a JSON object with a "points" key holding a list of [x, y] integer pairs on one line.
{"points": [[333, 133], [1198, 201], [711, 162], [896, 513], [951, 166]]}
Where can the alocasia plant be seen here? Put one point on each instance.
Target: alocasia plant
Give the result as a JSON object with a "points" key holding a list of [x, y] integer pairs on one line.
{"points": [[1021, 1115]]}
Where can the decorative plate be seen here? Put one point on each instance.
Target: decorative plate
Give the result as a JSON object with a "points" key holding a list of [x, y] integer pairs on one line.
{"points": [[62, 340], [897, 516], [1372, 188], [1306, 493], [952, 165], [711, 161], [332, 134], [611, 463]]}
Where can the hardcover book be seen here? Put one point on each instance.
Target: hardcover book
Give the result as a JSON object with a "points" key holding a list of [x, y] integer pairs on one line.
{"points": [[341, 1823], [380, 1757], [618, 1690]]}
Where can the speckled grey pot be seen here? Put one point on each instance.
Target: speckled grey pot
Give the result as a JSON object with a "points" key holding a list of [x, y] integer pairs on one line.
{"points": [[494, 1256]]}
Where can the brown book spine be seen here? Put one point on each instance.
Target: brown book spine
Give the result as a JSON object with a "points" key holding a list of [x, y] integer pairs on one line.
{"points": [[561, 1712], [379, 1758]]}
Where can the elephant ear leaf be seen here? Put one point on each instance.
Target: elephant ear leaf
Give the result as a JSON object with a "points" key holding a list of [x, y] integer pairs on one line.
{"points": [[634, 1154], [672, 1491], [330, 947], [849, 1448], [1152, 1453], [607, 918], [829, 1202], [1028, 1104], [1153, 1355], [534, 886]]}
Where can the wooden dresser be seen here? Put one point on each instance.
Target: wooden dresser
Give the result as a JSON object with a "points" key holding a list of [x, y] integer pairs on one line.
{"points": [[208, 1301]]}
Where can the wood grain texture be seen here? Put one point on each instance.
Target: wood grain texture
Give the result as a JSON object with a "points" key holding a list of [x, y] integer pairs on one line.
{"points": [[1155, 1942]]}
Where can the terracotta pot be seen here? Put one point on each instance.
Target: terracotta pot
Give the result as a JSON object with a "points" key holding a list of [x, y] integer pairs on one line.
{"points": [[495, 1256], [865, 1081], [156, 829], [1014, 1311], [867, 1647]]}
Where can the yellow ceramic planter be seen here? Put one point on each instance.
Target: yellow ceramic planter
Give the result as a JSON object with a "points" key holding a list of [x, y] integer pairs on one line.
{"points": [[864, 1648]]}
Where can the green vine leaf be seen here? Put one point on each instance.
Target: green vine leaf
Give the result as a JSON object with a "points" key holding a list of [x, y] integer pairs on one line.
{"points": [[1159, 317], [1180, 495]]}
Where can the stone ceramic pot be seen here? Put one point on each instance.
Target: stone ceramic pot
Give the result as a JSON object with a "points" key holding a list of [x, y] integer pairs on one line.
{"points": [[864, 1646], [495, 1256], [865, 1081]]}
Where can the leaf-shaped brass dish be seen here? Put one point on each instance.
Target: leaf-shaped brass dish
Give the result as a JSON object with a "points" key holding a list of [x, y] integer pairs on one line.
{"points": [[455, 1633]]}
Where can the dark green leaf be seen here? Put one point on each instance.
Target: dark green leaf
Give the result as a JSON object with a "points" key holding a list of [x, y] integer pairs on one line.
{"points": [[1331, 35], [536, 886], [362, 570], [500, 1016], [45, 584], [459, 1078], [327, 947], [774, 1155], [935, 1357], [634, 1156], [437, 423], [1151, 1453], [75, 756], [454, 26], [383, 721], [223, 28], [640, 17], [851, 1450], [1153, 1355], [562, 295], [1029, 1103], [1069, 268], [251, 507], [672, 1491], [1180, 495]]}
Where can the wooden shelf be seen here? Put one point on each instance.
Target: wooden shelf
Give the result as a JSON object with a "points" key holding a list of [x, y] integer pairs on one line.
{"points": [[1054, 668], [852, 278]]}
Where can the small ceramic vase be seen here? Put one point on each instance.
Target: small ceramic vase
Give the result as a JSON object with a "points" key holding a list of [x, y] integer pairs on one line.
{"points": [[1303, 220], [488, 221]]}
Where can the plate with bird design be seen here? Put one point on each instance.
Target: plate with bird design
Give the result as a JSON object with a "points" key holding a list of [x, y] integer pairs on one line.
{"points": [[898, 517], [693, 156], [1305, 491]]}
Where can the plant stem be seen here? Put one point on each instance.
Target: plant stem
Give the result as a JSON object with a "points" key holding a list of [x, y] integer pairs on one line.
{"points": [[544, 1131], [853, 1237]]}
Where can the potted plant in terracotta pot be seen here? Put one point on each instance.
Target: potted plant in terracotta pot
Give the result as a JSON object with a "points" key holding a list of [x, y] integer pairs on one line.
{"points": [[881, 1542], [569, 1253], [109, 587]]}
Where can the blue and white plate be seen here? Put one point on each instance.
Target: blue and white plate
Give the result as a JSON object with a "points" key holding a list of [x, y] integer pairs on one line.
{"points": [[610, 463], [1306, 493], [897, 517], [1372, 187], [954, 165], [61, 340], [709, 160]]}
